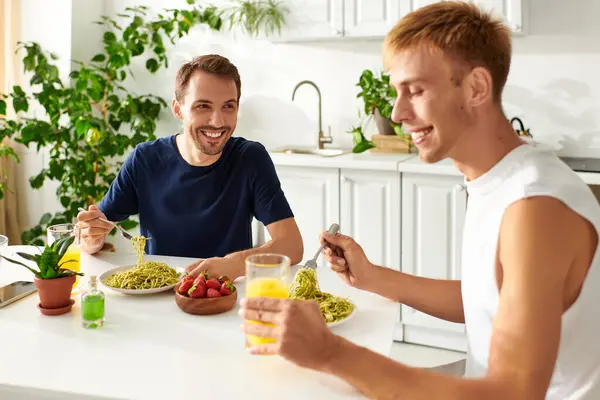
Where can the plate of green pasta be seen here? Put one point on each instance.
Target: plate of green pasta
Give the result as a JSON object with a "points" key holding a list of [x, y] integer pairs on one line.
{"points": [[145, 277], [335, 310]]}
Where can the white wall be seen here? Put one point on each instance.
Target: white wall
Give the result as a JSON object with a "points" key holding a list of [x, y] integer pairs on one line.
{"points": [[554, 84], [49, 24]]}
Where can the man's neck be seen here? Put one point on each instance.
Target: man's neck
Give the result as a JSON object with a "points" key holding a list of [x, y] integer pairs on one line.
{"points": [[192, 155], [485, 147]]}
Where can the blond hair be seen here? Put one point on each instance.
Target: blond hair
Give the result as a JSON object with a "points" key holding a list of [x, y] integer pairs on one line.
{"points": [[462, 31]]}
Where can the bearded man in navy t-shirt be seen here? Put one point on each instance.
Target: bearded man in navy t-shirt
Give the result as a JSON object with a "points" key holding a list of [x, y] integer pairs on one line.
{"points": [[197, 192]]}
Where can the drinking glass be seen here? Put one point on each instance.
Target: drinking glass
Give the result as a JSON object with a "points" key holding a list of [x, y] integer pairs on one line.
{"points": [[267, 275], [73, 253]]}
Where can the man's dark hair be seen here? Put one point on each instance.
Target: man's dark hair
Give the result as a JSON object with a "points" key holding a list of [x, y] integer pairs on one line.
{"points": [[211, 63]]}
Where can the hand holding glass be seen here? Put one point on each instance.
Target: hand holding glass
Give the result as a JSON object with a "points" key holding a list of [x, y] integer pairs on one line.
{"points": [[267, 275]]}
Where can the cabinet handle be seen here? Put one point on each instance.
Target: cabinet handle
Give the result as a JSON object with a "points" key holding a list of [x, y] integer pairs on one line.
{"points": [[460, 187], [339, 33], [345, 179]]}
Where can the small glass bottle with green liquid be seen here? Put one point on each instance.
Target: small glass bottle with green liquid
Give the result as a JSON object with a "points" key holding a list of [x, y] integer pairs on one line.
{"points": [[92, 305]]}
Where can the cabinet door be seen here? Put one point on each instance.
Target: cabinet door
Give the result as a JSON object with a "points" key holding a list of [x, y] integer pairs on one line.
{"points": [[313, 194], [511, 11], [364, 18], [433, 214], [370, 213], [312, 19]]}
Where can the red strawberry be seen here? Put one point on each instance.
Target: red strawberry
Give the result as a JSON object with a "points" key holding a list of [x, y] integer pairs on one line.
{"points": [[185, 286], [224, 278], [212, 293], [227, 288], [213, 284], [197, 291], [187, 277], [200, 279]]}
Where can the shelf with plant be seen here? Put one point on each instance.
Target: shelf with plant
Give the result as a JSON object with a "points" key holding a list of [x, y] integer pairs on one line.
{"points": [[91, 120], [378, 99]]}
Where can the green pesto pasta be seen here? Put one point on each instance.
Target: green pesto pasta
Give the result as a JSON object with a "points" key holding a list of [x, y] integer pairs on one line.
{"points": [[146, 274], [306, 287]]}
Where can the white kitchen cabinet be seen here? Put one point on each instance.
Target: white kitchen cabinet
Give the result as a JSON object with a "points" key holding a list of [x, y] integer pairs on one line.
{"points": [[433, 214], [310, 20], [511, 11], [365, 18], [370, 213], [313, 194]]}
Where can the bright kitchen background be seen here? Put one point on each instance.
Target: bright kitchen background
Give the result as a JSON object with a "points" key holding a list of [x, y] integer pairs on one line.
{"points": [[554, 83]]}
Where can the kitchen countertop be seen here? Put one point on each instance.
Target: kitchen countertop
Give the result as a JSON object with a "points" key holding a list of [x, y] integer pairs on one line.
{"points": [[150, 349], [386, 162], [366, 160]]}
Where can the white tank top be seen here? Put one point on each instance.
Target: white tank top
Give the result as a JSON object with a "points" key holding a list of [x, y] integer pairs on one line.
{"points": [[527, 171]]}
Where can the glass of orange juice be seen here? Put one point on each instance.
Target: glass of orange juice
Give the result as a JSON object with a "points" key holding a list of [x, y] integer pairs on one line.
{"points": [[73, 253], [267, 275]]}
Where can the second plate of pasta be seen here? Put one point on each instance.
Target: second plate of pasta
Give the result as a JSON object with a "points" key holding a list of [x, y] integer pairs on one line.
{"points": [[149, 278], [335, 310]]}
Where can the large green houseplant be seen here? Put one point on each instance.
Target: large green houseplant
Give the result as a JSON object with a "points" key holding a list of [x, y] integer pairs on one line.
{"points": [[91, 120]]}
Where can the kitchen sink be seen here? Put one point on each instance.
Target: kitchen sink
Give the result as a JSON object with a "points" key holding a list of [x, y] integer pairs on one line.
{"points": [[312, 151]]}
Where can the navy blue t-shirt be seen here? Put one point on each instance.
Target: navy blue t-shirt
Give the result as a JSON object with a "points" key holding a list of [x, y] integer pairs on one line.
{"points": [[198, 212]]}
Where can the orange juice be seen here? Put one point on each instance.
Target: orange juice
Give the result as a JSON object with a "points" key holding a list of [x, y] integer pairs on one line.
{"points": [[265, 287], [73, 253]]}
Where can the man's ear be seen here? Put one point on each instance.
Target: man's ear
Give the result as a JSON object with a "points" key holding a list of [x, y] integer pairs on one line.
{"points": [[176, 109], [480, 86]]}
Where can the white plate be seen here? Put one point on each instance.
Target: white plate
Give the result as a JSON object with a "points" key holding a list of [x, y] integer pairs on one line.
{"points": [[108, 273], [348, 318]]}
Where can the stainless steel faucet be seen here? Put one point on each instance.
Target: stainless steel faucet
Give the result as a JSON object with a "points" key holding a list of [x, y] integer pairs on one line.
{"points": [[322, 139]]}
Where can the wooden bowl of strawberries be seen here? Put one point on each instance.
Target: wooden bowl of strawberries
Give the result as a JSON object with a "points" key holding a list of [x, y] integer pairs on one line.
{"points": [[205, 295]]}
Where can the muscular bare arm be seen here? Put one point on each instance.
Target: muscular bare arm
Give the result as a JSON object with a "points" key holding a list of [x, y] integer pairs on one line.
{"points": [[536, 256], [437, 297]]}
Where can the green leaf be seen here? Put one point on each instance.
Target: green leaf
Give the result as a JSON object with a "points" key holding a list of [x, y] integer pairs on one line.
{"points": [[20, 104], [109, 37], [37, 181], [18, 91], [128, 224], [29, 257], [99, 58], [2, 107], [82, 126], [63, 244], [36, 273], [45, 219], [65, 262], [65, 201]]}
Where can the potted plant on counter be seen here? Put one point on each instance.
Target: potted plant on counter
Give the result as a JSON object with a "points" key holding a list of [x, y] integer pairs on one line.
{"points": [[378, 98], [54, 283]]}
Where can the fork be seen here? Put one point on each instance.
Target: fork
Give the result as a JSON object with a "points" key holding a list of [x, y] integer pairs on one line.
{"points": [[333, 229], [121, 230]]}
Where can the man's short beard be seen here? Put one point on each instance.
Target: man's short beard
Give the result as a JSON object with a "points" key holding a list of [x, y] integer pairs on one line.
{"points": [[208, 150]]}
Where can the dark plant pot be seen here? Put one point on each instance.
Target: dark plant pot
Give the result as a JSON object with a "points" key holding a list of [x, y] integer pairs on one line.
{"points": [[383, 124], [55, 293]]}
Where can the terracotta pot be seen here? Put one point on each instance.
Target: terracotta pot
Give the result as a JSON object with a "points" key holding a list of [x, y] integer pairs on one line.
{"points": [[55, 293]]}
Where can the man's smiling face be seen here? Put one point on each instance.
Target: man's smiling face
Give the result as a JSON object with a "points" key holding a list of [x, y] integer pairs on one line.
{"points": [[432, 101], [209, 111]]}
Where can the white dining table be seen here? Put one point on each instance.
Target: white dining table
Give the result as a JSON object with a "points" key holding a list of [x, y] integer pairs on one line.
{"points": [[150, 349]]}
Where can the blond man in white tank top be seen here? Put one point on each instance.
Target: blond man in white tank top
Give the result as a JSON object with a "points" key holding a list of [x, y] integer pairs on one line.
{"points": [[530, 292]]}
